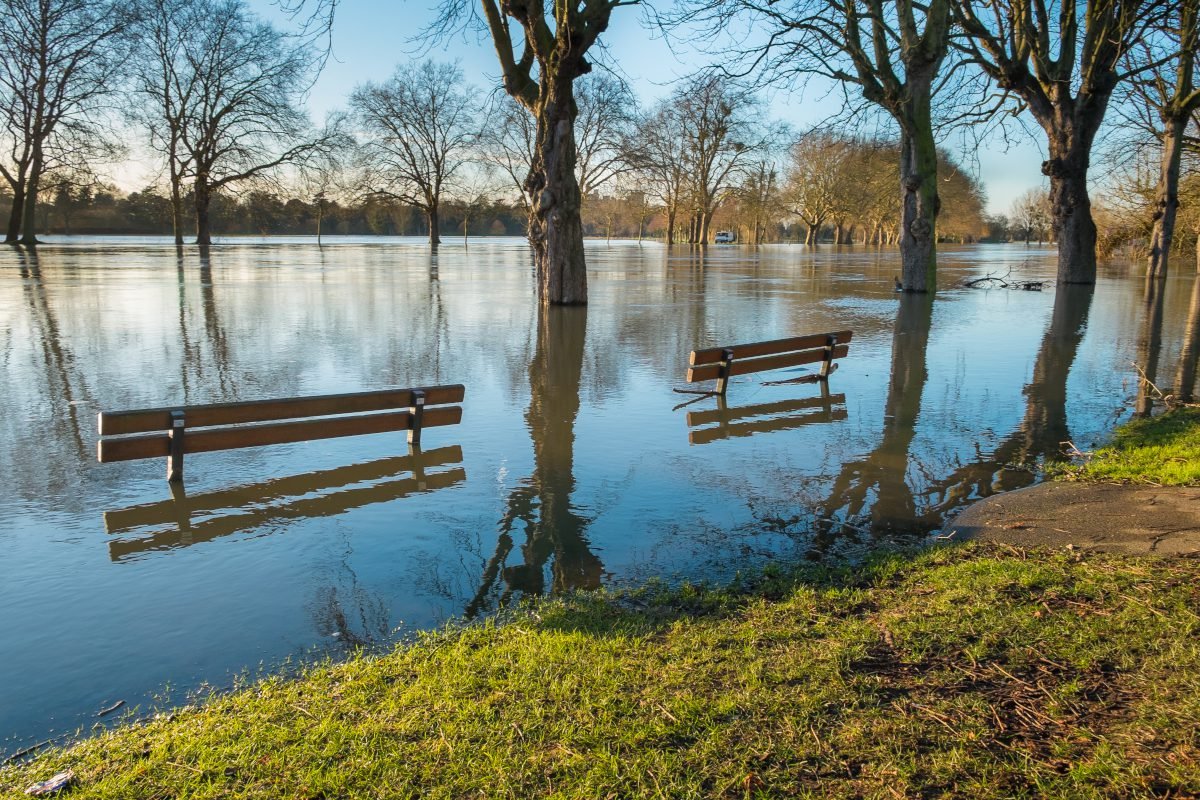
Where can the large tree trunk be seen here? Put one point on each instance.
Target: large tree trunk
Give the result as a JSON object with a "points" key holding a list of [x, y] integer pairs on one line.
{"points": [[431, 217], [176, 210], [1166, 200], [555, 227], [670, 225], [1149, 347], [918, 192], [203, 196], [14, 218], [705, 225], [1070, 133]]}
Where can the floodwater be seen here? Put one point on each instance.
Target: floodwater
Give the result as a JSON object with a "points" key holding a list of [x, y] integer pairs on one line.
{"points": [[572, 467]]}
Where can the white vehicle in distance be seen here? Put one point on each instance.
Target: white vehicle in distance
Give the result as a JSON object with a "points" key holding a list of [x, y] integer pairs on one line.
{"points": [[724, 237]]}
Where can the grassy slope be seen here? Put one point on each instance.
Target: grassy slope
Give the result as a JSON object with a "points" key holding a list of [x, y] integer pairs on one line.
{"points": [[967, 671], [1163, 450]]}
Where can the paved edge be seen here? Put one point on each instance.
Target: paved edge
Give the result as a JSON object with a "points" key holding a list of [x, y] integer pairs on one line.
{"points": [[1138, 520]]}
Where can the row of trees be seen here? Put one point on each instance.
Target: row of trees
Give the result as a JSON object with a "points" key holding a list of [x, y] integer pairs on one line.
{"points": [[927, 67], [219, 94]]}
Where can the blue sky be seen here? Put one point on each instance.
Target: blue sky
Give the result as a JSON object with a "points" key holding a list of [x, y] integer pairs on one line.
{"points": [[371, 36]]}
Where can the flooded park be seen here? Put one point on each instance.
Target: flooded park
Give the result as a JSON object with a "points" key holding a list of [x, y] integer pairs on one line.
{"points": [[577, 463]]}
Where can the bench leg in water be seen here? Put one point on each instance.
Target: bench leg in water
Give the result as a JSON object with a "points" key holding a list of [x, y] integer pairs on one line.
{"points": [[175, 441]]}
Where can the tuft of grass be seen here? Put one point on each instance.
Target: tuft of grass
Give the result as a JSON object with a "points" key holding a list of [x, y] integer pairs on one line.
{"points": [[1163, 450], [967, 671]]}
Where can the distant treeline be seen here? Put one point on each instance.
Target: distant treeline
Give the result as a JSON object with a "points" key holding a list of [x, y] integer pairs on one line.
{"points": [[105, 210]]}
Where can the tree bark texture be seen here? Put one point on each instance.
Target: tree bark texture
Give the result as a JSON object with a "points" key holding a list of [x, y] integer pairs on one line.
{"points": [[555, 225], [919, 201], [431, 217], [29, 210], [14, 217], [1070, 130]]}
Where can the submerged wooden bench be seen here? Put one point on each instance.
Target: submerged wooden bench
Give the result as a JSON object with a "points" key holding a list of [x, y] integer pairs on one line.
{"points": [[722, 363], [227, 426]]}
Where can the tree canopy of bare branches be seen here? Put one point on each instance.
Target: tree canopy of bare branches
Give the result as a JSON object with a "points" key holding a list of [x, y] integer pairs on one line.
{"points": [[1063, 59], [421, 126], [59, 59], [227, 95]]}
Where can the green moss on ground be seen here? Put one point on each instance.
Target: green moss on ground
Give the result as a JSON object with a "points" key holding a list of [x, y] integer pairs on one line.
{"points": [[1163, 451], [970, 671]]}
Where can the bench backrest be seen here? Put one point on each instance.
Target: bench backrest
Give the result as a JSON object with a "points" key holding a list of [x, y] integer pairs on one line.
{"points": [[722, 363], [226, 426]]}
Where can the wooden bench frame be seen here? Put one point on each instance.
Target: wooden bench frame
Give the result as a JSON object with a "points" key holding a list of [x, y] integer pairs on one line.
{"points": [[722, 363], [227, 426]]}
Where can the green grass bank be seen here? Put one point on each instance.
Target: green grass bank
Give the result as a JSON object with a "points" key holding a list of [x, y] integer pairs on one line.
{"points": [[1162, 450], [967, 671]]}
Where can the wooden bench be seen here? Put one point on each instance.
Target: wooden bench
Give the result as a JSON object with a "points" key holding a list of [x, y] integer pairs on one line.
{"points": [[226, 426], [722, 363]]}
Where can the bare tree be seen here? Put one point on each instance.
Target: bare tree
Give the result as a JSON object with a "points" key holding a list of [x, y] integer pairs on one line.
{"points": [[539, 68], [721, 134], [507, 142], [58, 60], [1031, 215], [420, 127], [241, 112], [1064, 69], [658, 160], [893, 52], [603, 128], [811, 186]]}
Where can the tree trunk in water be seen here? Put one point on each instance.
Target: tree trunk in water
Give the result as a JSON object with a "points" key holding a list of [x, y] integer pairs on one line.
{"points": [[1189, 355], [14, 218], [176, 202], [1166, 201], [431, 216], [919, 201], [705, 224], [555, 227], [1070, 138], [837, 233], [203, 196], [29, 215], [810, 235], [670, 226]]}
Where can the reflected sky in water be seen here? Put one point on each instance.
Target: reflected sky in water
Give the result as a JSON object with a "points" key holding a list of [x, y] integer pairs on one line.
{"points": [[573, 466]]}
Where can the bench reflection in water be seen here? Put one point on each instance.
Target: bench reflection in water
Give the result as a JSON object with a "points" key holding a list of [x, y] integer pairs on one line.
{"points": [[781, 415], [185, 520]]}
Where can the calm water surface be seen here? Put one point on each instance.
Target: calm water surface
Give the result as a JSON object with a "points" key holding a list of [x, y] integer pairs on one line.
{"points": [[572, 467]]}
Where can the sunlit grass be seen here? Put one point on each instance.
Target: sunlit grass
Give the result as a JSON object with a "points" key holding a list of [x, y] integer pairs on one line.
{"points": [[1163, 450], [968, 671]]}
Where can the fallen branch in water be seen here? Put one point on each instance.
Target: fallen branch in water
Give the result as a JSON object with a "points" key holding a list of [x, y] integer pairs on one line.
{"points": [[1169, 401]]}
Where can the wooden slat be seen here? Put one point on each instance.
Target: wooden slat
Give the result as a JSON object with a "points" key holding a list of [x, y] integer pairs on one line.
{"points": [[728, 415], [159, 419], [308, 507], [709, 372], [166, 511], [205, 441], [712, 355], [706, 435]]}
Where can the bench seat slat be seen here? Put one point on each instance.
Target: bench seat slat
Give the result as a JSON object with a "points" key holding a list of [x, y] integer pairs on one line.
{"points": [[712, 355], [199, 416], [710, 372], [204, 441]]}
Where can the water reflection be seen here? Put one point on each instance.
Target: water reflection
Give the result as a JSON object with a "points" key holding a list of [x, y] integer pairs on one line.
{"points": [[193, 519], [1149, 347], [553, 527], [726, 420], [875, 489], [1189, 353]]}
